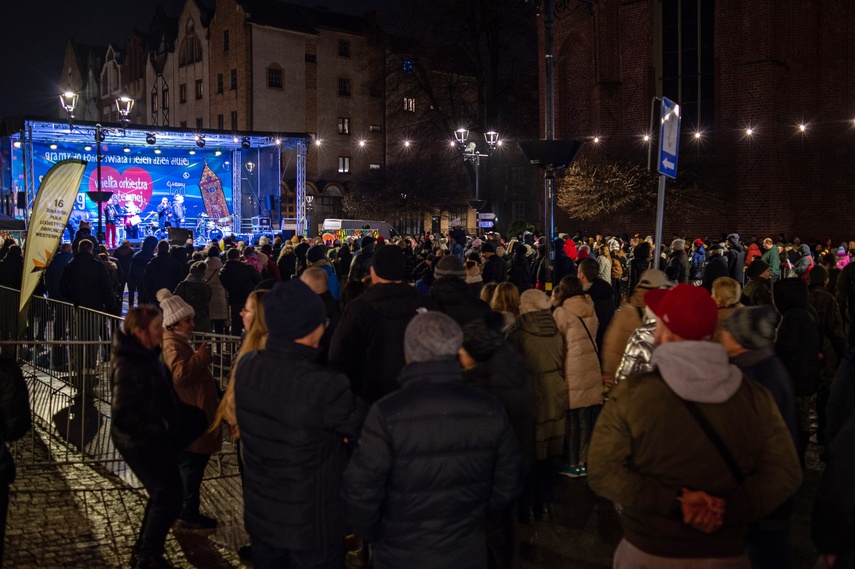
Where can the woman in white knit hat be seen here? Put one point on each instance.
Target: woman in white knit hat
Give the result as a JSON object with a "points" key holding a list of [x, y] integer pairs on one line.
{"points": [[195, 386]]}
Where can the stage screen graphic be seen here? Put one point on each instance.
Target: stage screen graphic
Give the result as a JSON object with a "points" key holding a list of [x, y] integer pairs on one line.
{"points": [[140, 176]]}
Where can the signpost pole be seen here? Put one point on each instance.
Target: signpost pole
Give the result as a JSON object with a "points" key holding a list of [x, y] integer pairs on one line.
{"points": [[660, 214]]}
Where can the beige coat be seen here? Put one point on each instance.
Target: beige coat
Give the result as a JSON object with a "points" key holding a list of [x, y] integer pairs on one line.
{"points": [[194, 384], [581, 362], [623, 324]]}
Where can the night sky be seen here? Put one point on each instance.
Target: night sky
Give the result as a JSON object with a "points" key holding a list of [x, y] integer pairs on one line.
{"points": [[34, 34]]}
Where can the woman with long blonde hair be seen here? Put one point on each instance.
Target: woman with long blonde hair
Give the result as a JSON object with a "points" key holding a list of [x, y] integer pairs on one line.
{"points": [[256, 339]]}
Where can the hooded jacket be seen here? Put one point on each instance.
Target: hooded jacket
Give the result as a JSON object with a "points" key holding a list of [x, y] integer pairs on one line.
{"points": [[368, 345], [454, 297], [736, 261], [699, 259], [537, 338], [433, 460], [646, 447], [805, 262], [578, 324]]}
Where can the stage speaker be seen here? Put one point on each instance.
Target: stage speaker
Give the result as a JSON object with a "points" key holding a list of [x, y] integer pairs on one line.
{"points": [[22, 200], [179, 235], [271, 203]]}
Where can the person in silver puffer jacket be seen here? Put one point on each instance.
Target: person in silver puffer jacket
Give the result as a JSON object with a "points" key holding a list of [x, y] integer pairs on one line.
{"points": [[639, 349]]}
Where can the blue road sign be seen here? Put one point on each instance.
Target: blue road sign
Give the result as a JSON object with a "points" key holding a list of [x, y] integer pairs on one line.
{"points": [[669, 138]]}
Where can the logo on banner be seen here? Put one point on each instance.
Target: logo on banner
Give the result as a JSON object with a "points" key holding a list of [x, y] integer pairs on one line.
{"points": [[134, 183]]}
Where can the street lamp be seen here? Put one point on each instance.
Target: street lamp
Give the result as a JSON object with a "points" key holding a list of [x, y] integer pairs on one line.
{"points": [[309, 210], [124, 104], [68, 100], [471, 154]]}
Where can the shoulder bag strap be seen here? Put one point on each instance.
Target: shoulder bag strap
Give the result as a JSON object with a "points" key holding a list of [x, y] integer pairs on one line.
{"points": [[593, 343], [715, 439]]}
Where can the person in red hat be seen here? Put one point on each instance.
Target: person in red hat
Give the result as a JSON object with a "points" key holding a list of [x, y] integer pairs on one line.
{"points": [[686, 500]]}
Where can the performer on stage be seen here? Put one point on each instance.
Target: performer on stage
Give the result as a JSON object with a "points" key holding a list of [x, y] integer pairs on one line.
{"points": [[179, 212], [111, 217], [132, 218], [164, 214]]}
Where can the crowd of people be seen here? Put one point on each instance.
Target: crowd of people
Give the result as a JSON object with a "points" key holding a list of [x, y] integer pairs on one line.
{"points": [[422, 394]]}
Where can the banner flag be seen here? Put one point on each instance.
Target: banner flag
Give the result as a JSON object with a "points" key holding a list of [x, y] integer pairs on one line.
{"points": [[212, 194], [51, 209]]}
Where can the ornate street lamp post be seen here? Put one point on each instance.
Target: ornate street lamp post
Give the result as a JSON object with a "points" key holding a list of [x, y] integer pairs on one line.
{"points": [[471, 154]]}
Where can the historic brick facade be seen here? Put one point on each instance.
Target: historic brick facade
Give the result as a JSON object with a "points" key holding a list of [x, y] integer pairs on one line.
{"points": [[775, 64]]}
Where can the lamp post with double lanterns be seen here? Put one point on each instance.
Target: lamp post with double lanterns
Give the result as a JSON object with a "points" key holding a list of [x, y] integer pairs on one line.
{"points": [[124, 105], [470, 153]]}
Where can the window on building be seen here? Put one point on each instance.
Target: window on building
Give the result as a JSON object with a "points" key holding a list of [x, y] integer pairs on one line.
{"points": [[687, 60], [410, 104], [198, 88], [343, 125], [219, 82], [221, 122], [518, 211], [234, 120], [343, 48], [374, 166], [343, 87], [198, 122], [375, 128], [274, 77], [408, 66], [311, 58], [344, 164], [182, 93], [154, 101], [225, 40], [164, 99], [233, 80], [191, 46]]}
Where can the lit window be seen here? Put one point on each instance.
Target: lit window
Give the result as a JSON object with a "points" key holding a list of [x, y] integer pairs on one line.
{"points": [[374, 166], [343, 125], [344, 164], [410, 104], [374, 128]]}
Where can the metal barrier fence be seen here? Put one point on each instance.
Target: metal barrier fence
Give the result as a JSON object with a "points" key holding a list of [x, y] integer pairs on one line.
{"points": [[64, 353]]}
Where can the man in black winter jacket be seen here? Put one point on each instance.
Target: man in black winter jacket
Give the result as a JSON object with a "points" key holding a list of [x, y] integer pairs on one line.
{"points": [[433, 460], [136, 279], [716, 266], [494, 269], [239, 280], [85, 281], [295, 417], [601, 293], [368, 345], [163, 271], [453, 295], [735, 258], [361, 263]]}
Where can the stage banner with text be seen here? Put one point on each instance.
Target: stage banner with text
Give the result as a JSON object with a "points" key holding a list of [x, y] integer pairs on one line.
{"points": [[54, 201]]}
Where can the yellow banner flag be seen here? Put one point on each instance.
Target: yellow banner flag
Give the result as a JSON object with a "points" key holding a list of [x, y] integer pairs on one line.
{"points": [[51, 209]]}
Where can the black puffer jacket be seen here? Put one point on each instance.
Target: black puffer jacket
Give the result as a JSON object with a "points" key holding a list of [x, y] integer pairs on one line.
{"points": [[433, 460], [163, 271], [368, 345], [681, 266], [736, 261], [504, 376], [716, 267], [239, 280], [293, 415], [144, 400], [454, 297], [602, 294], [799, 341]]}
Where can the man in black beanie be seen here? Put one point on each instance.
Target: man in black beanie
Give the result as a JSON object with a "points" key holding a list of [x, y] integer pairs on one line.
{"points": [[294, 416], [450, 291], [368, 345]]}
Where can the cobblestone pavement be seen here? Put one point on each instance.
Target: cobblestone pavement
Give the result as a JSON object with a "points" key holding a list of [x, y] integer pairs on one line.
{"points": [[76, 515]]}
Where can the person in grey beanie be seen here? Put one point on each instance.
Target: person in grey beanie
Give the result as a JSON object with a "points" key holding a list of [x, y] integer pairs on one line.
{"points": [[453, 295], [748, 337], [433, 460]]}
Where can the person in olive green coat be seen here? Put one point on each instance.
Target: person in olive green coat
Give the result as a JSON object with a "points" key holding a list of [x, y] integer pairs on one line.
{"points": [[537, 338]]}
